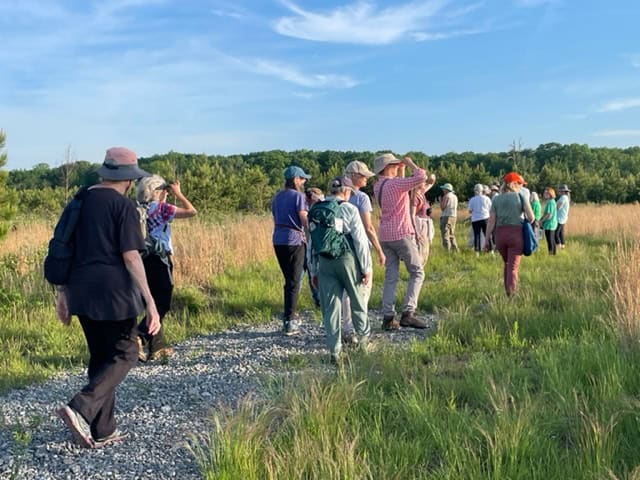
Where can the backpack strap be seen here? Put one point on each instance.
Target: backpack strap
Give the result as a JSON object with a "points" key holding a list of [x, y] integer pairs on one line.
{"points": [[379, 198]]}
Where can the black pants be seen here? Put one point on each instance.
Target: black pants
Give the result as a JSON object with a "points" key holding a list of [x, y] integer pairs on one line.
{"points": [[159, 278], [479, 226], [291, 261], [113, 351], [560, 234], [550, 235]]}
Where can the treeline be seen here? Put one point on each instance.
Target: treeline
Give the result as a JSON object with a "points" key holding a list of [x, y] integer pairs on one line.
{"points": [[246, 183]]}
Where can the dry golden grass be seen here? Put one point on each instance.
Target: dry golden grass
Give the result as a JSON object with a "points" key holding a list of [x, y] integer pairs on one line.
{"points": [[202, 249], [591, 219]]}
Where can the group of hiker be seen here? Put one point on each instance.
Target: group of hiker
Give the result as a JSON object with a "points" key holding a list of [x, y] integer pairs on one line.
{"points": [[333, 237]]}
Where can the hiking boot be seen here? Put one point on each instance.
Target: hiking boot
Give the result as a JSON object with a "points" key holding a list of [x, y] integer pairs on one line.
{"points": [[291, 328], [409, 319], [350, 339], [142, 355], [389, 322], [78, 425], [164, 352]]}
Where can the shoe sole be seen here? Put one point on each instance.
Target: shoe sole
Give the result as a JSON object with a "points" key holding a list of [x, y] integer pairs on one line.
{"points": [[111, 440], [291, 334], [69, 418]]}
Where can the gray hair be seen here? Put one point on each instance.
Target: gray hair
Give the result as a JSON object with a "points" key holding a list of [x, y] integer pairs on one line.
{"points": [[147, 186], [477, 188]]}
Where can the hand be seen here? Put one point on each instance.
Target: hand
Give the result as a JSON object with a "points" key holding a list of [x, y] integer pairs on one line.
{"points": [[382, 259], [314, 281], [62, 309], [366, 278], [175, 187], [432, 179], [153, 320]]}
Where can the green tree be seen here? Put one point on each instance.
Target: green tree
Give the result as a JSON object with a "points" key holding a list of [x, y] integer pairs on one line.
{"points": [[8, 198]]}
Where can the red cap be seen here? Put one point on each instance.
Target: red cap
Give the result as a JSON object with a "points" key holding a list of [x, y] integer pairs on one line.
{"points": [[512, 177]]}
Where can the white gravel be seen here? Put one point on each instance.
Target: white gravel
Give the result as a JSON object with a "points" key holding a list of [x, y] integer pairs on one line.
{"points": [[159, 404]]}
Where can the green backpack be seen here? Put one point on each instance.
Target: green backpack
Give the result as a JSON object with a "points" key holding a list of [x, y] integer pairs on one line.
{"points": [[326, 229]]}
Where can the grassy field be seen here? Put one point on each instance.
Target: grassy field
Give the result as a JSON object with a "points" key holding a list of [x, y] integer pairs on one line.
{"points": [[543, 385]]}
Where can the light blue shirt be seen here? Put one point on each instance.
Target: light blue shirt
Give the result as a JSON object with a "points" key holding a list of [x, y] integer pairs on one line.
{"points": [[563, 204]]}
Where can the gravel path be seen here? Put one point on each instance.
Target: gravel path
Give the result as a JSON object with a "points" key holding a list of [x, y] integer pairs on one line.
{"points": [[160, 405]]}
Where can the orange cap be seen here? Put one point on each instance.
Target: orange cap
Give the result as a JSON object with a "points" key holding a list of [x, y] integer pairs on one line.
{"points": [[512, 177]]}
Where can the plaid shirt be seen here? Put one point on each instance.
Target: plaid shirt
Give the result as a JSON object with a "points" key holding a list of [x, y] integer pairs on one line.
{"points": [[395, 218]]}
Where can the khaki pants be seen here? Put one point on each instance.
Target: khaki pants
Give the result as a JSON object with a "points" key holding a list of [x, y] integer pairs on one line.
{"points": [[407, 251], [448, 230]]}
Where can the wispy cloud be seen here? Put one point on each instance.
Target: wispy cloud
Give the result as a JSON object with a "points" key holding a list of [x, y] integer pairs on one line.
{"points": [[635, 60], [293, 75], [363, 23], [620, 104], [618, 133]]}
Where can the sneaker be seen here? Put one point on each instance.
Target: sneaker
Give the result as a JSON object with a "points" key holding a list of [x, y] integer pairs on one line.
{"points": [[350, 339], [389, 322], [142, 355], [291, 328], [116, 436], [78, 425], [164, 352], [409, 319]]}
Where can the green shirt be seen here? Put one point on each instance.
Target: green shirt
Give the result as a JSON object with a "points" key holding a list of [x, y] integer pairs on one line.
{"points": [[508, 208], [550, 223], [537, 209]]}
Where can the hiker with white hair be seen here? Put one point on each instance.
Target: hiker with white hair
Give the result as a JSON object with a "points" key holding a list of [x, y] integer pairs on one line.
{"points": [[479, 209], [157, 216]]}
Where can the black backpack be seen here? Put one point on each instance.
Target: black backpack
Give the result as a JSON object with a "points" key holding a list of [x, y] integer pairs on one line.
{"points": [[326, 229], [57, 263]]}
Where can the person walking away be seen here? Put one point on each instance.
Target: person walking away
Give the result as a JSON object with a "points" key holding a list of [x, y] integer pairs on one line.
{"points": [[107, 290], [506, 220], [448, 217], [359, 174], [289, 211], [349, 271], [549, 219], [312, 195], [397, 237], [151, 194], [422, 222], [479, 208], [563, 204]]}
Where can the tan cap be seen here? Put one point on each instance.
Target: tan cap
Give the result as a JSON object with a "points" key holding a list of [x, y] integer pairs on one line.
{"points": [[383, 160], [358, 167]]}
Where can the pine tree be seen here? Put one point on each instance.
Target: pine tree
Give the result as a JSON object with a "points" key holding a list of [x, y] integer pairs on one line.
{"points": [[8, 198]]}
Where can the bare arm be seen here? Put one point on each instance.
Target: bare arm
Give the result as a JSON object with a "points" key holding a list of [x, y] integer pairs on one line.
{"points": [[135, 267], [303, 219], [372, 236], [187, 210], [528, 212]]}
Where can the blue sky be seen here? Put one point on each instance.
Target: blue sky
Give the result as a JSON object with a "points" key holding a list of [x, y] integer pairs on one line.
{"points": [[224, 77]]}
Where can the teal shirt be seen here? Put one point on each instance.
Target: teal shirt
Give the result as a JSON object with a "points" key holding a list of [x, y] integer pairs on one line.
{"points": [[537, 209], [550, 223]]}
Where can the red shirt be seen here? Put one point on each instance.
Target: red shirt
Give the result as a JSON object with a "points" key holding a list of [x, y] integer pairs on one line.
{"points": [[395, 219]]}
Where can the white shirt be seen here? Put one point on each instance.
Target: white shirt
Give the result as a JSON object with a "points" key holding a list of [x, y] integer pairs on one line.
{"points": [[479, 207]]}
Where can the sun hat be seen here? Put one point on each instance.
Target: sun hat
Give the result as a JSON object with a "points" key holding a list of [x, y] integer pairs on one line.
{"points": [[120, 164], [446, 186], [339, 183], [383, 160], [563, 188], [358, 167], [294, 171], [514, 177]]}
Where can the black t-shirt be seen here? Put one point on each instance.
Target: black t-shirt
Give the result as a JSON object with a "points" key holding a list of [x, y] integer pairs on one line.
{"points": [[100, 285]]}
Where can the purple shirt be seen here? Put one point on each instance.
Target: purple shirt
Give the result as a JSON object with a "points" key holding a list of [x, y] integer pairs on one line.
{"points": [[285, 208]]}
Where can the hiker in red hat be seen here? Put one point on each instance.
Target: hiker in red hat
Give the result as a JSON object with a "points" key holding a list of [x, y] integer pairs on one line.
{"points": [[506, 219]]}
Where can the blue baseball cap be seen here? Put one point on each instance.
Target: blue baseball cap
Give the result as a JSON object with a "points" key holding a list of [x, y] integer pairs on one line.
{"points": [[295, 171]]}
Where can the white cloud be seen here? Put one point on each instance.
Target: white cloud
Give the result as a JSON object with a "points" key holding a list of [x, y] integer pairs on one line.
{"points": [[617, 133], [363, 23], [303, 79], [620, 104]]}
